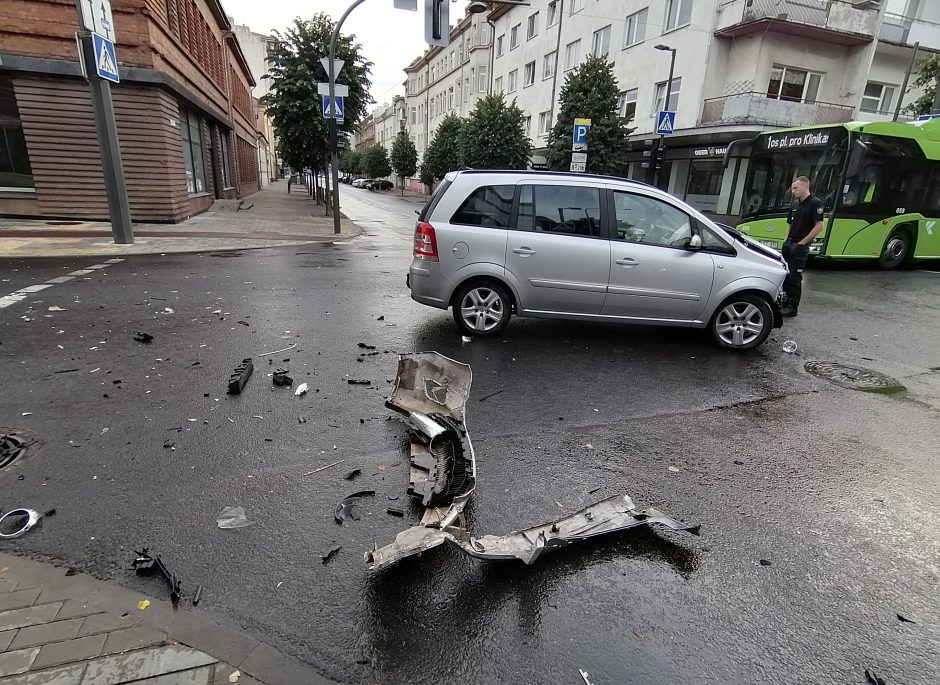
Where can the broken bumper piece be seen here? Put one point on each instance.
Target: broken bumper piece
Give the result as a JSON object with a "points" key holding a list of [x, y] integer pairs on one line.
{"points": [[607, 516]]}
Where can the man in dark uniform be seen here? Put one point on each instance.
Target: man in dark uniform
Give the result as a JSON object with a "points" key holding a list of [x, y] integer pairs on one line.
{"points": [[805, 223]]}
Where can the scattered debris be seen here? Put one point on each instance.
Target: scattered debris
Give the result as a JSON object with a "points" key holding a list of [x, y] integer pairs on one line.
{"points": [[492, 394], [904, 619], [356, 381], [301, 419], [146, 564], [169, 445], [235, 675], [347, 508], [71, 571], [233, 517], [674, 469], [789, 347], [143, 604], [324, 468], [53, 308], [352, 475], [20, 522], [466, 338], [281, 378], [400, 513], [593, 490], [328, 557], [739, 462], [244, 323], [381, 318], [198, 596], [765, 562], [585, 677], [67, 371], [301, 390], [852, 338], [268, 354], [143, 337], [241, 375], [366, 347], [874, 678]]}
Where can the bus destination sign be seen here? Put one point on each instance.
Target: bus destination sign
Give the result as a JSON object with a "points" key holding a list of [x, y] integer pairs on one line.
{"points": [[802, 139]]}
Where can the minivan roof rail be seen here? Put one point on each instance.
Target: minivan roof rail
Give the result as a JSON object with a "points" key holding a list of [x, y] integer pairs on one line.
{"points": [[546, 172]]}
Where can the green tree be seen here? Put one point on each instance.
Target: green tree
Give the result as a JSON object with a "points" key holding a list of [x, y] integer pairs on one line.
{"points": [[293, 101], [928, 79], [404, 158], [375, 162], [494, 137], [350, 161], [591, 92], [425, 175], [445, 151]]}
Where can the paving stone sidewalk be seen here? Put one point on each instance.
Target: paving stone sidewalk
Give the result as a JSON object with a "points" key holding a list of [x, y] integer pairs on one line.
{"points": [[75, 630]]}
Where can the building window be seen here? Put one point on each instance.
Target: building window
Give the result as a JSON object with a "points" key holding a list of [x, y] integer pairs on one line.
{"points": [[458, 93], [450, 98], [513, 77], [413, 116], [484, 82], [678, 14], [658, 101], [225, 152], [514, 37], [193, 161], [601, 45], [572, 54], [527, 126], [626, 105], [15, 171], [498, 85], [433, 101], [635, 30], [576, 6], [528, 74], [545, 123], [877, 97], [532, 27], [552, 13], [795, 85], [499, 45], [548, 65]]}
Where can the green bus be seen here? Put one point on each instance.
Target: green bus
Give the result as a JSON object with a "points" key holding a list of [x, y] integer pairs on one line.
{"points": [[879, 183]]}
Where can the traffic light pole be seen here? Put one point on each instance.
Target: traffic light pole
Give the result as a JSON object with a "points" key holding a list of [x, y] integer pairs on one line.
{"points": [[334, 149]]}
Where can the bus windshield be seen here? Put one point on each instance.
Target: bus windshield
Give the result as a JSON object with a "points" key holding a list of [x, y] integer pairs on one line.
{"points": [[775, 164]]}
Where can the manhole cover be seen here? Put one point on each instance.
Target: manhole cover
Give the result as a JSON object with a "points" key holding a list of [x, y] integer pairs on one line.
{"points": [[15, 445], [854, 377]]}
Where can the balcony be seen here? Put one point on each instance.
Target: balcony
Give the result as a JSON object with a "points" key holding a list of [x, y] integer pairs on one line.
{"points": [[838, 22], [757, 108], [897, 28]]}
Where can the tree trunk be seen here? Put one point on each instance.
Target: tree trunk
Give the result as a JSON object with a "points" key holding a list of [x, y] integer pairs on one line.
{"points": [[402, 181], [326, 190]]}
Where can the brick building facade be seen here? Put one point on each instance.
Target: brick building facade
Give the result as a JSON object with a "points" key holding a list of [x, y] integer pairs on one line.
{"points": [[184, 111]]}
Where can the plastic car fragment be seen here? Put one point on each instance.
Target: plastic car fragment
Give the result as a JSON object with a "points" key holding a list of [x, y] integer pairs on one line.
{"points": [[33, 517]]}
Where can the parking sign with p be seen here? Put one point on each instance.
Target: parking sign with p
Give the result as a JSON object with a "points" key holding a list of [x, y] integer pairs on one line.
{"points": [[579, 137]]}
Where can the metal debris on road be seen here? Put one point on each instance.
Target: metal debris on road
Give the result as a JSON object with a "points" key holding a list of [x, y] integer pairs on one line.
{"points": [[328, 557], [301, 390], [14, 528], [143, 337], [147, 564], [242, 373], [267, 354], [347, 508], [232, 517], [324, 468], [280, 378]]}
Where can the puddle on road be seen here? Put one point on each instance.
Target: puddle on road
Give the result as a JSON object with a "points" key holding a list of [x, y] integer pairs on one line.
{"points": [[855, 377]]}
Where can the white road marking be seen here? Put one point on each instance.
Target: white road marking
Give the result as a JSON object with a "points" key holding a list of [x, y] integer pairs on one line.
{"points": [[20, 295]]}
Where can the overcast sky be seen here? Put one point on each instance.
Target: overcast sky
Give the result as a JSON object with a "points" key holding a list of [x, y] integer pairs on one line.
{"points": [[390, 38]]}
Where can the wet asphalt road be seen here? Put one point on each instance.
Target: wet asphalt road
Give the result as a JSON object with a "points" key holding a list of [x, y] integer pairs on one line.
{"points": [[837, 489]]}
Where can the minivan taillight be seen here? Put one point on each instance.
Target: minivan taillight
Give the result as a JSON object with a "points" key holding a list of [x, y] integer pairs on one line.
{"points": [[425, 242]]}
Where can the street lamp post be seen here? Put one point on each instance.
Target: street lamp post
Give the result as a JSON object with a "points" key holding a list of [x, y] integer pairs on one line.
{"points": [[662, 138]]}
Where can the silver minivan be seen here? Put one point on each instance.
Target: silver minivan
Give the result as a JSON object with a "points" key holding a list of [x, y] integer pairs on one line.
{"points": [[575, 246]]}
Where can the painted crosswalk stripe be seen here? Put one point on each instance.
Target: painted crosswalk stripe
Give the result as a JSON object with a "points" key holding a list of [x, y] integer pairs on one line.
{"points": [[21, 294]]}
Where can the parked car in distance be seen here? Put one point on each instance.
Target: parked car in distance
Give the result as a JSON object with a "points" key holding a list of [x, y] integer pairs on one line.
{"points": [[489, 244], [360, 182]]}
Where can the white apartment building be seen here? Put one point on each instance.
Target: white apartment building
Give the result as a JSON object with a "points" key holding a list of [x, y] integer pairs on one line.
{"points": [[741, 67], [448, 80]]}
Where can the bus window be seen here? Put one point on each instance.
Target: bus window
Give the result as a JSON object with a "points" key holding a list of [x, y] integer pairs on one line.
{"points": [[890, 177]]}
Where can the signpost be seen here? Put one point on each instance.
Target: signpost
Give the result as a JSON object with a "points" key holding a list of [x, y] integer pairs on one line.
{"points": [[579, 145], [96, 43], [666, 123], [336, 111]]}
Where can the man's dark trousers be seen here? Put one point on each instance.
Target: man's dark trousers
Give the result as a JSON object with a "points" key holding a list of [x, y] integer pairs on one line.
{"points": [[795, 256]]}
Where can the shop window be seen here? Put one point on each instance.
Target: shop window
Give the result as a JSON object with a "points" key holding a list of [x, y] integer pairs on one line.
{"points": [[193, 161], [15, 171]]}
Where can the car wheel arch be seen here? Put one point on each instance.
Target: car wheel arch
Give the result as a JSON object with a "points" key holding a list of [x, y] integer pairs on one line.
{"points": [[483, 278]]}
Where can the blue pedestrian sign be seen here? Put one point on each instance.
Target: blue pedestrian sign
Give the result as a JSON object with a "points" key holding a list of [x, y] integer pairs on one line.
{"points": [[105, 58], [665, 123], [339, 107], [928, 117]]}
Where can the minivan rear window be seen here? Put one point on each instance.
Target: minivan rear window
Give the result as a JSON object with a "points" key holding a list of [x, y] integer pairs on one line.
{"points": [[433, 200], [486, 206]]}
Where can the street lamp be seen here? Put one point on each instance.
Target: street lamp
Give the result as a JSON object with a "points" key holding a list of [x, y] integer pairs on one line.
{"points": [[661, 154]]}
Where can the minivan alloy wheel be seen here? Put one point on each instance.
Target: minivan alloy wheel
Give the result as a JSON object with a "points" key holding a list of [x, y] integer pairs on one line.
{"points": [[482, 309], [739, 323]]}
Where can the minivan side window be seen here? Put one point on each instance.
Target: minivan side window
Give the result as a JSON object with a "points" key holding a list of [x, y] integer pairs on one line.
{"points": [[641, 219], [568, 210], [486, 206]]}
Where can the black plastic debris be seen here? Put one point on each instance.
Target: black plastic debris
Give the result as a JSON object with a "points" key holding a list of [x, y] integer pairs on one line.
{"points": [[400, 513], [764, 562], [143, 337], [146, 564], [301, 419], [874, 678], [328, 557], [168, 444], [280, 377], [904, 619], [358, 381], [71, 571], [241, 375], [366, 347], [352, 475], [244, 323], [347, 508], [381, 318]]}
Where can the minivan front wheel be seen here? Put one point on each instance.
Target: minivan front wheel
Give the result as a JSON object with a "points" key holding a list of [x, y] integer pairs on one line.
{"points": [[482, 308], [742, 322]]}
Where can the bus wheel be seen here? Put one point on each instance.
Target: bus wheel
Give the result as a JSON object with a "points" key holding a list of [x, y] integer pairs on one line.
{"points": [[896, 250]]}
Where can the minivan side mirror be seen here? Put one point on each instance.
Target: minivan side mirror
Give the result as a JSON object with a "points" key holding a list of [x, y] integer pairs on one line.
{"points": [[695, 243]]}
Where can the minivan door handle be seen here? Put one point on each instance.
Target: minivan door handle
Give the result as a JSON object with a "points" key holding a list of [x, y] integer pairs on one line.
{"points": [[524, 251], [627, 261]]}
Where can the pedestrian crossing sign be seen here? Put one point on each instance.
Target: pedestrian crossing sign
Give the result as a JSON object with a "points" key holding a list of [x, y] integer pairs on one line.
{"points": [[105, 58], [665, 123]]}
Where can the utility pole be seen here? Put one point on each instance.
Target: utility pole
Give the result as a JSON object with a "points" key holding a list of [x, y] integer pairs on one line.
{"points": [[907, 77], [96, 46]]}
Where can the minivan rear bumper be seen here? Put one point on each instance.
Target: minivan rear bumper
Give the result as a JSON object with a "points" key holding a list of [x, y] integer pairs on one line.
{"points": [[427, 285]]}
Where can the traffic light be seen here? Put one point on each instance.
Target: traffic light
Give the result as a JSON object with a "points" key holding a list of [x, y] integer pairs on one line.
{"points": [[437, 22]]}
